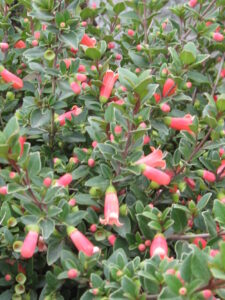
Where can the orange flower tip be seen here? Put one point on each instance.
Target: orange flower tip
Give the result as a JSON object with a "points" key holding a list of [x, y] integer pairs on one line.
{"points": [[167, 121], [70, 230], [103, 99]]}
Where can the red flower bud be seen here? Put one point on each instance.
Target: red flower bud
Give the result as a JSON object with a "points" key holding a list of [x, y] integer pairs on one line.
{"points": [[72, 273], [193, 3], [34, 43], [81, 77], [93, 228], [65, 180], [4, 190], [207, 294], [4, 46], [81, 68], [130, 32], [183, 291], [209, 176], [169, 88], [20, 45], [72, 202], [157, 97], [165, 107], [141, 247], [91, 162], [218, 37], [22, 140], [8, 277], [111, 45], [75, 87], [112, 239], [47, 182], [139, 47]]}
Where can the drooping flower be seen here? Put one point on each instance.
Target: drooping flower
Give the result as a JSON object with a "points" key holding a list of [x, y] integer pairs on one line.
{"points": [[155, 175], [68, 115], [111, 208], [9, 77], [87, 41], [169, 87], [179, 123], [30, 242], [207, 175], [81, 242], [154, 159], [159, 246], [108, 82]]}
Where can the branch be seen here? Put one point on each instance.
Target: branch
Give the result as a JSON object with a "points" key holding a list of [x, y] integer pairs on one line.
{"points": [[218, 75], [145, 22]]}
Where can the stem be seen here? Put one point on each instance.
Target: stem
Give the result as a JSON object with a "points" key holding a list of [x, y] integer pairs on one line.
{"points": [[145, 22], [218, 75]]}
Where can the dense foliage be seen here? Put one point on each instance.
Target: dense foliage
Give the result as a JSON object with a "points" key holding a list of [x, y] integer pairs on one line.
{"points": [[112, 150]]}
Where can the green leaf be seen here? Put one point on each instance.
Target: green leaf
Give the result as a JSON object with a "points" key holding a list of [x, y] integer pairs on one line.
{"points": [[11, 129], [119, 7], [47, 227], [220, 103], [93, 53], [54, 250], [39, 118], [210, 223], [219, 211], [173, 283], [80, 172], [180, 220], [204, 201], [34, 164], [138, 60], [72, 39], [189, 54], [199, 266], [127, 78], [129, 287]]}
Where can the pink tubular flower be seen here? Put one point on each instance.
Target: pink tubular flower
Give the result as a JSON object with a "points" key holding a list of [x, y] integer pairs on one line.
{"points": [[222, 74], [157, 97], [109, 80], [9, 77], [179, 123], [64, 180], [169, 88], [22, 140], [159, 246], [75, 87], [208, 176], [111, 208], [81, 242], [4, 190], [155, 175], [68, 115], [87, 41], [218, 37], [154, 159], [37, 35], [30, 242]]}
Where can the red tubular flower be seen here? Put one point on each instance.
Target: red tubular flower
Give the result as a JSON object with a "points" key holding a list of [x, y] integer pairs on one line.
{"points": [[81, 242], [159, 246], [87, 41], [75, 87], [20, 45], [169, 88], [218, 37], [222, 74], [64, 180], [190, 182], [22, 140], [154, 159], [155, 175], [30, 242], [207, 175], [111, 208], [179, 123], [9, 77], [109, 80], [68, 115]]}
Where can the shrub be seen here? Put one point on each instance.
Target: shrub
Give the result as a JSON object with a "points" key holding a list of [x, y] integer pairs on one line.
{"points": [[112, 150]]}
